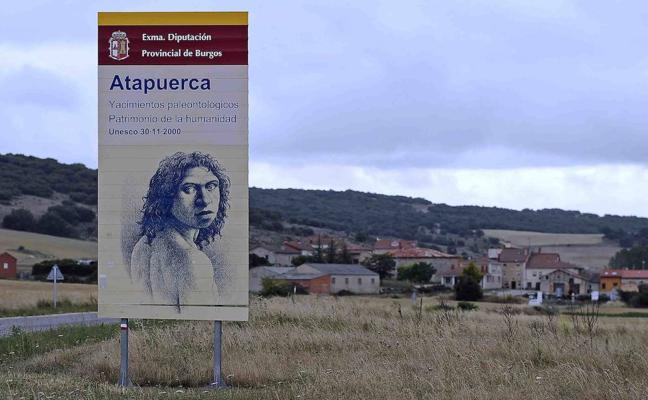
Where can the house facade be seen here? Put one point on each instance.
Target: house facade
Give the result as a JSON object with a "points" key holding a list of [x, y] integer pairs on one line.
{"points": [[540, 264], [511, 262], [564, 282], [624, 279], [8, 263], [350, 277]]}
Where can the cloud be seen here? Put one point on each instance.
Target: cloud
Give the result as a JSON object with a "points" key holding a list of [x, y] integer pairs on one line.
{"points": [[545, 98], [38, 87]]}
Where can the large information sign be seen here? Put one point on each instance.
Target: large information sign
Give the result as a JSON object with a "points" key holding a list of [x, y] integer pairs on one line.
{"points": [[173, 165]]}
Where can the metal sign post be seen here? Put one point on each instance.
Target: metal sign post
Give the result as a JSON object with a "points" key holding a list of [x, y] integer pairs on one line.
{"points": [[218, 382], [123, 341], [55, 275]]}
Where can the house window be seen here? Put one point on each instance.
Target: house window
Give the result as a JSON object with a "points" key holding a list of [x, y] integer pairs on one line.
{"points": [[5, 266], [373, 280], [346, 281], [615, 284], [603, 285], [359, 281], [333, 281]]}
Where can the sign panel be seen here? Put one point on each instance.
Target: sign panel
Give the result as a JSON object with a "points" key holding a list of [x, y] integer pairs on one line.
{"points": [[55, 274], [173, 165]]}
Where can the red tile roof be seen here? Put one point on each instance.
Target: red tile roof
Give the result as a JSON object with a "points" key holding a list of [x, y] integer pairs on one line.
{"points": [[625, 273], [418, 252], [392, 244], [292, 245], [547, 261], [510, 255]]}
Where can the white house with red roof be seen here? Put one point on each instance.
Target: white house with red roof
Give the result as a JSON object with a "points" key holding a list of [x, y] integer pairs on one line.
{"points": [[540, 264]]}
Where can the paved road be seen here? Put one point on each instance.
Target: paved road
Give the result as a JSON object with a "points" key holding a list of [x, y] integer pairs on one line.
{"points": [[45, 322]]}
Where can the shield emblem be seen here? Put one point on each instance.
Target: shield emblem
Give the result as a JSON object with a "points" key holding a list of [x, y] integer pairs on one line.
{"points": [[118, 46]]}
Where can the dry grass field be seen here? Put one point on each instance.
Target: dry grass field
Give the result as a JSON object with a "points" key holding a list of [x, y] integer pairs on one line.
{"points": [[354, 348], [38, 247], [525, 238], [586, 250], [25, 294]]}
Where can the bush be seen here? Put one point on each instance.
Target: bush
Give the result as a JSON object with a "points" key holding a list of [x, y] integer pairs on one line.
{"points": [[420, 272], [467, 306], [276, 287], [71, 270], [52, 224], [442, 307], [468, 290], [636, 299], [508, 299], [20, 220]]}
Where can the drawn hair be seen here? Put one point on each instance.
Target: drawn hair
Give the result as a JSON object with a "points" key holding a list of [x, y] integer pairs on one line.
{"points": [[164, 186]]}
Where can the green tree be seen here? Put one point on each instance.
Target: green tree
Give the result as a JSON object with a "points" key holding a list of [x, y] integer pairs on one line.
{"points": [[633, 258], [420, 272], [52, 224], [382, 264], [469, 288], [319, 252], [20, 220], [299, 260], [331, 253], [345, 257]]}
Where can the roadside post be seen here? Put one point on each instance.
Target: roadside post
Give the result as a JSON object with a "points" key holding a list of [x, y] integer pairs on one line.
{"points": [[55, 275], [173, 126], [123, 345]]}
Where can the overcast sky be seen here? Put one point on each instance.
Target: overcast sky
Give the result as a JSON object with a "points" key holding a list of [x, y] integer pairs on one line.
{"points": [[519, 104]]}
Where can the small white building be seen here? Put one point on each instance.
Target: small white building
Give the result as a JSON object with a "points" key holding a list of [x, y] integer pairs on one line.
{"points": [[350, 277]]}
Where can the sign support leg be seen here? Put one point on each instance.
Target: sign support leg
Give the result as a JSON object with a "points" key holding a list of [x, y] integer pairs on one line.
{"points": [[54, 290], [123, 341], [218, 382]]}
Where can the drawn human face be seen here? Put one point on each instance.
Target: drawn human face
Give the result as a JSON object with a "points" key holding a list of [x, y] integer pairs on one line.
{"points": [[196, 202]]}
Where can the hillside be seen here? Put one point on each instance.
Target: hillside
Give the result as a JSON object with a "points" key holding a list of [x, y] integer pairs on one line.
{"points": [[62, 201], [415, 218]]}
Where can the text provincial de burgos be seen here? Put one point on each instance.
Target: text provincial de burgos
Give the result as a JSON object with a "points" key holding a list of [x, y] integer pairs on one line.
{"points": [[176, 37]]}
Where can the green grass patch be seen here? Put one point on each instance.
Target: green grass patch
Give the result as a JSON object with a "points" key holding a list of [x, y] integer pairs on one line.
{"points": [[44, 307], [617, 315], [21, 345]]}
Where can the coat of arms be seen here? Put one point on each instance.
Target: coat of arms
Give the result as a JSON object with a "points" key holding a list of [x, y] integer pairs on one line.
{"points": [[118, 46]]}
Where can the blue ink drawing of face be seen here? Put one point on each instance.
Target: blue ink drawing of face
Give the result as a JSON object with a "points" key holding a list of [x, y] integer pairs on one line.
{"points": [[196, 202]]}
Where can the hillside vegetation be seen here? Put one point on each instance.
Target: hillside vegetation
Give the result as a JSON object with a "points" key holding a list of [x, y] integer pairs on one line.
{"points": [[416, 218], [294, 211]]}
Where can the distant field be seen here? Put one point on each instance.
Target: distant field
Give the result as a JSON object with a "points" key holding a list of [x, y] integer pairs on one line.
{"points": [[24, 294], [39, 247], [586, 250], [525, 238], [594, 257]]}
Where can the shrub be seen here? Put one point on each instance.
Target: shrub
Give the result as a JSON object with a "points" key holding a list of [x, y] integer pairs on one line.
{"points": [[20, 220], [71, 270], [276, 287], [420, 272], [467, 306], [636, 299], [52, 224]]}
